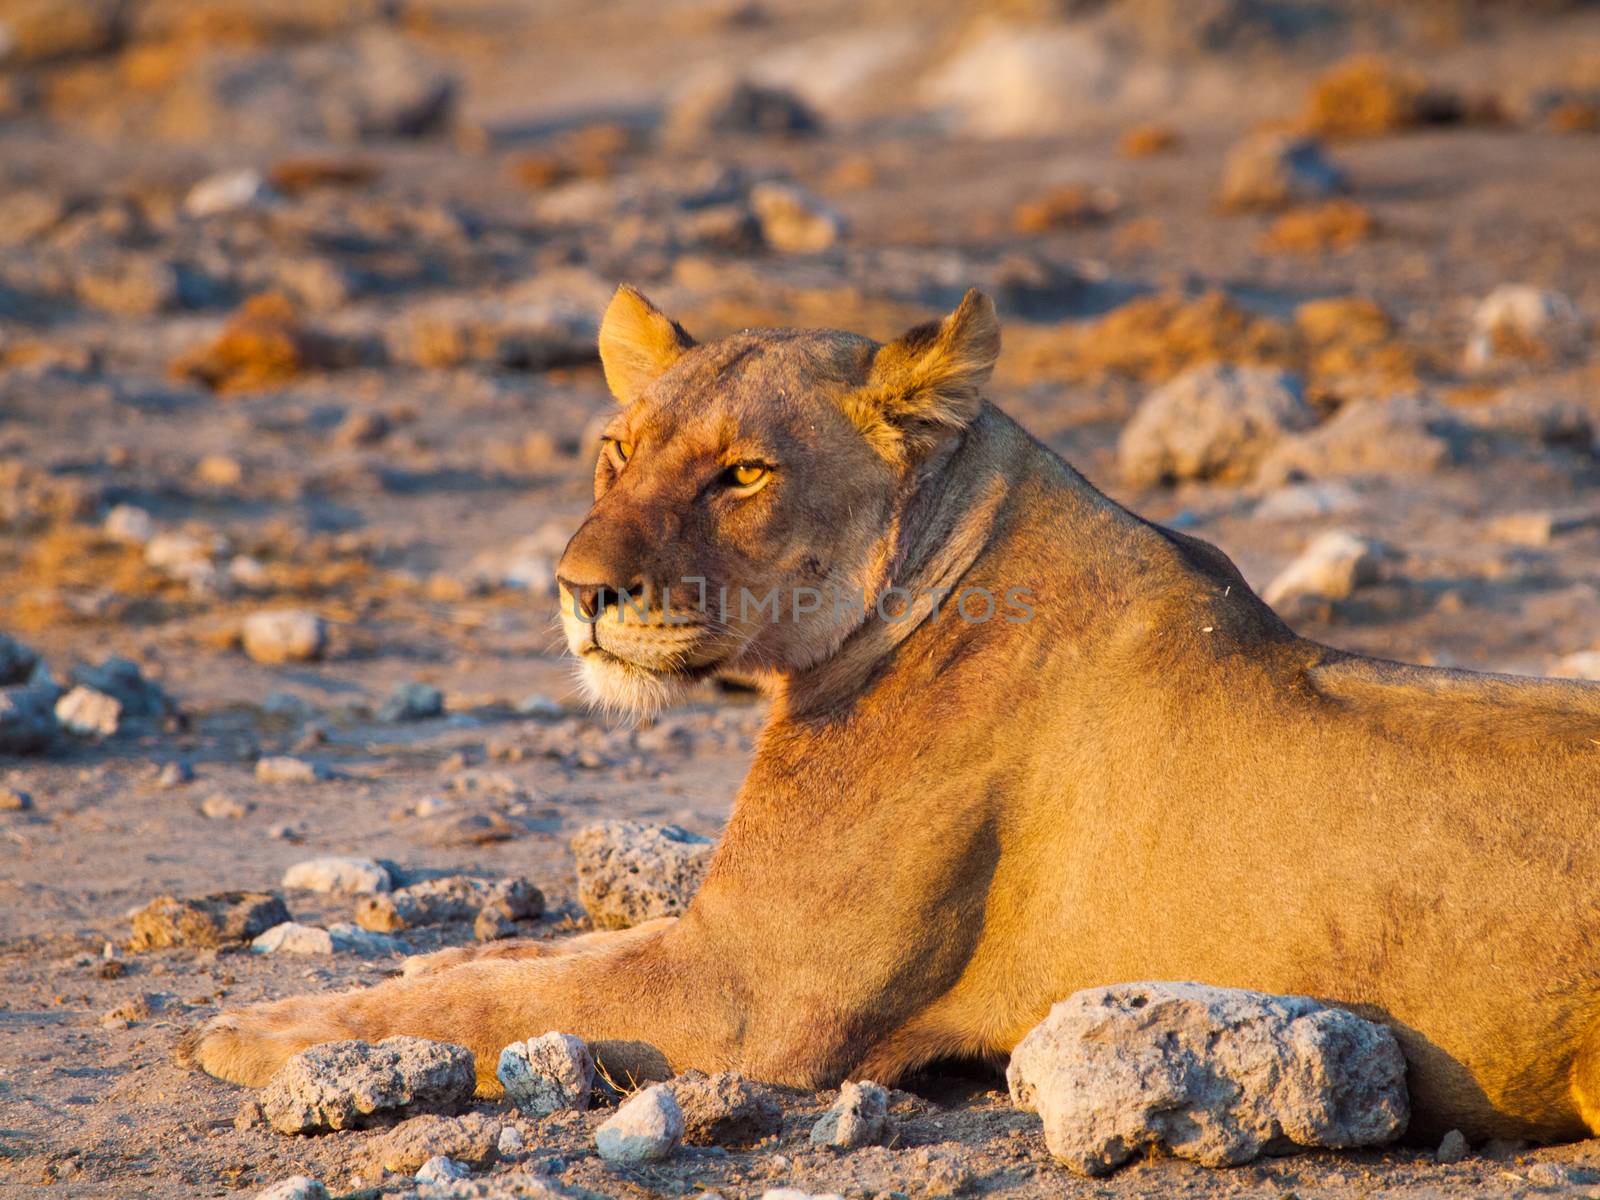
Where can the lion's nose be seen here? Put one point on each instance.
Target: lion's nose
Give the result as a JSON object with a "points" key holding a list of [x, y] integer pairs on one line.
{"points": [[592, 599]]}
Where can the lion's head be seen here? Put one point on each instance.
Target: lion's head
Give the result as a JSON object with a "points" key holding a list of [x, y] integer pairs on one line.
{"points": [[747, 492]]}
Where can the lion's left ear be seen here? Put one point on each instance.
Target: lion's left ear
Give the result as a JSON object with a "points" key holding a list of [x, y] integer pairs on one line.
{"points": [[924, 385], [638, 342]]}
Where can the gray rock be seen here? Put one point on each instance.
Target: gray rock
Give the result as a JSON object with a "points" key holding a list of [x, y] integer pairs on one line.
{"points": [[1453, 1147], [794, 221], [1215, 1075], [339, 938], [14, 800], [27, 718], [412, 702], [720, 104], [492, 923], [1562, 1175], [471, 1139], [859, 1117], [441, 1168], [215, 920], [16, 661], [1213, 421], [353, 1084], [725, 1109], [453, 898], [374, 83], [647, 1128], [546, 1074], [1334, 565], [284, 635], [339, 873], [296, 1187], [1401, 435], [633, 871], [1276, 170], [88, 713], [1307, 501]]}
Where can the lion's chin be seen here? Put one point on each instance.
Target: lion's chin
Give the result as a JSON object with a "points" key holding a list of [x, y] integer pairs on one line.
{"points": [[621, 688]]}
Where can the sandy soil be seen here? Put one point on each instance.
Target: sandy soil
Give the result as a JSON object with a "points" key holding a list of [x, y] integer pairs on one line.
{"points": [[407, 541]]}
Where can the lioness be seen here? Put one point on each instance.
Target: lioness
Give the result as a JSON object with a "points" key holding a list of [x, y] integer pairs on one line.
{"points": [[1131, 770]]}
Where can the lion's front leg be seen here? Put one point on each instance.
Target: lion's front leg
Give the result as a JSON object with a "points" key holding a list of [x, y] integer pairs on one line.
{"points": [[512, 948], [637, 990]]}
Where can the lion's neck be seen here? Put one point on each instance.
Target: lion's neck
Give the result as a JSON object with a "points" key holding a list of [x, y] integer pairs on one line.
{"points": [[945, 524]]}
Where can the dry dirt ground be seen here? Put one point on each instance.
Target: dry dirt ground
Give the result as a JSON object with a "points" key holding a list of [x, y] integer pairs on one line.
{"points": [[404, 439]]}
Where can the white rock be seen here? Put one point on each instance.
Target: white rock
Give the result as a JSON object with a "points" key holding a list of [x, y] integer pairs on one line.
{"points": [[227, 191], [646, 1128], [1213, 421], [88, 713], [296, 1187], [859, 1117], [441, 1168], [1216, 1075], [284, 635], [130, 524], [1334, 565], [794, 221], [1516, 319], [338, 873], [291, 937], [545, 1074], [1583, 664]]}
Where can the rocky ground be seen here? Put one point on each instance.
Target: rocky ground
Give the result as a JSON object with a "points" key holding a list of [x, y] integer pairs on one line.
{"points": [[297, 306]]}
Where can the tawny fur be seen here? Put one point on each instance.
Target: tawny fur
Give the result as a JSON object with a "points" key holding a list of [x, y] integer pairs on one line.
{"points": [[948, 826]]}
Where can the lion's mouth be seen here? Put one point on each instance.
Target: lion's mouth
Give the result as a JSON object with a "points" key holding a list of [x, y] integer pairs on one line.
{"points": [[686, 671]]}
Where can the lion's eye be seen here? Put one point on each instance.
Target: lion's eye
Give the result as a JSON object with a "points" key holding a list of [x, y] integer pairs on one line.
{"points": [[620, 451], [747, 475]]}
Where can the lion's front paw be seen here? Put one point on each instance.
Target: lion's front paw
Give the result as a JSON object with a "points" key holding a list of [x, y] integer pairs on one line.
{"points": [[248, 1045], [229, 1049]]}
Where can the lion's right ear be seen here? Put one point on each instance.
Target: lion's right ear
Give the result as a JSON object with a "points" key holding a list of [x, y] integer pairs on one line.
{"points": [[638, 342]]}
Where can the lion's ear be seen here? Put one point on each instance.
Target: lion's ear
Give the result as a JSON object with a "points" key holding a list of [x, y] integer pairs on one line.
{"points": [[638, 342], [925, 384]]}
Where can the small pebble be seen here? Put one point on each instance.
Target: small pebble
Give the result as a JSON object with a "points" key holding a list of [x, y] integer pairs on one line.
{"points": [[441, 1168], [14, 800], [296, 1187], [284, 768], [511, 1141], [1452, 1147], [174, 774], [222, 807]]}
